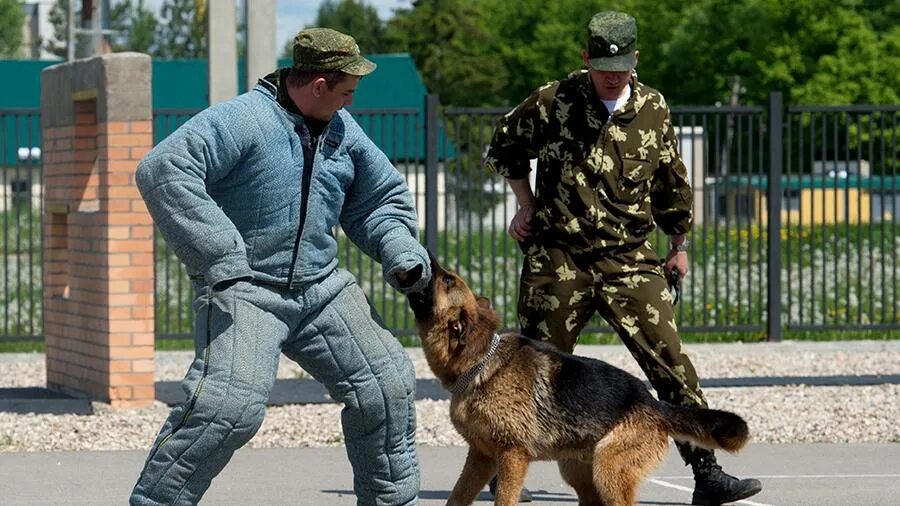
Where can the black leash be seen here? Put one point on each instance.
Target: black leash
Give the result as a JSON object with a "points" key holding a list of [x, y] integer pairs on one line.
{"points": [[675, 285]]}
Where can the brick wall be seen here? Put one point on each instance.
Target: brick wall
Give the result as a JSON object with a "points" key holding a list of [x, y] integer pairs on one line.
{"points": [[98, 236]]}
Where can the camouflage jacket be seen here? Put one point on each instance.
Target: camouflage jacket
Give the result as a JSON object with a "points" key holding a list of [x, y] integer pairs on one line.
{"points": [[601, 181]]}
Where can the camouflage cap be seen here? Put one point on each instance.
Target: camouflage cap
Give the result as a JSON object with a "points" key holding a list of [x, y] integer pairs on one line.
{"points": [[612, 40], [327, 50]]}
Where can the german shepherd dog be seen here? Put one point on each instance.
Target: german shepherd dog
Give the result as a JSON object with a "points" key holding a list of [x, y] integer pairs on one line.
{"points": [[516, 400]]}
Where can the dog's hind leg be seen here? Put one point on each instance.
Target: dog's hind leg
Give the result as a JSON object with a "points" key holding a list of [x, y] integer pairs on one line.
{"points": [[512, 466], [476, 472], [580, 476], [626, 455]]}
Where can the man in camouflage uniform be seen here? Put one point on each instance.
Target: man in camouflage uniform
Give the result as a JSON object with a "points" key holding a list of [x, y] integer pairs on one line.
{"points": [[607, 169]]}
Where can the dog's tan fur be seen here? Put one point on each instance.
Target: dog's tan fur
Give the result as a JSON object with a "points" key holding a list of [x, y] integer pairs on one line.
{"points": [[532, 402]]}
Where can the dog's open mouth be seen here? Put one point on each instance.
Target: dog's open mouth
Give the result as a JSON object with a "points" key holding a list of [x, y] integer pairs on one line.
{"points": [[422, 302]]}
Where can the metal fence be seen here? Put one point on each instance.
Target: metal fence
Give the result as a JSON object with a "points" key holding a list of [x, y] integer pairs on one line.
{"points": [[796, 212], [20, 216]]}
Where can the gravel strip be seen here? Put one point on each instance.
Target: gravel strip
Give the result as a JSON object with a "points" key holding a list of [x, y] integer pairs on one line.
{"points": [[784, 414]]}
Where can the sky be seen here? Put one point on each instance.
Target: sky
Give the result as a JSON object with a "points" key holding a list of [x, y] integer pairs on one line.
{"points": [[295, 14]]}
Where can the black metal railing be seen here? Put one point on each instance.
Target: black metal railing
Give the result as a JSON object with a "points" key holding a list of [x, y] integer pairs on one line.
{"points": [[796, 212], [20, 216]]}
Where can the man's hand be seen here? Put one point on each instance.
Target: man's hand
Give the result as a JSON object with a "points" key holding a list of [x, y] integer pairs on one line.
{"points": [[676, 260], [520, 226]]}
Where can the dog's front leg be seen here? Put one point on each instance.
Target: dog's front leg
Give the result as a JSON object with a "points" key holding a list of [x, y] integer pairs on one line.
{"points": [[512, 467], [475, 474]]}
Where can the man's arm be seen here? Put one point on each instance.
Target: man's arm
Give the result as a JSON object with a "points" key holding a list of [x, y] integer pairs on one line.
{"points": [[516, 139], [520, 226], [380, 218], [672, 199], [172, 180], [671, 196], [515, 142]]}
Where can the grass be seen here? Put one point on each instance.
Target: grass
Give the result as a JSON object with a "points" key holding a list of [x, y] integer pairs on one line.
{"points": [[832, 275], [21, 346]]}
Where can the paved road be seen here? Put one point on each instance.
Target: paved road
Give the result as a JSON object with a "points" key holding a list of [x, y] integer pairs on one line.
{"points": [[796, 475]]}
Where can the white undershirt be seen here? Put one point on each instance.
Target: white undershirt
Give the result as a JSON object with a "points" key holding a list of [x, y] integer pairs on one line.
{"points": [[612, 105]]}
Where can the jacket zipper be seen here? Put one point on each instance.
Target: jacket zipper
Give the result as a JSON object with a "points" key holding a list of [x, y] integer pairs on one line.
{"points": [[304, 204]]}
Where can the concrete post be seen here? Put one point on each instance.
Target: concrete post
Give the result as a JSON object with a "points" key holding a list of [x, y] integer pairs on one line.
{"points": [[98, 236], [262, 54], [222, 51]]}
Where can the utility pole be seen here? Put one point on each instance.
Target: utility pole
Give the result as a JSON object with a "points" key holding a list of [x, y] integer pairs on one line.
{"points": [[70, 44], [97, 27], [262, 54], [93, 13], [222, 51]]}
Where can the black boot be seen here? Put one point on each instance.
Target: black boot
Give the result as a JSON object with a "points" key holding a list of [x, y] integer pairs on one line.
{"points": [[524, 495], [713, 487]]}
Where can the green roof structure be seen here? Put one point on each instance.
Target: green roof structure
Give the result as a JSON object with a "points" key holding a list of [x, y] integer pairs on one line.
{"points": [[389, 103]]}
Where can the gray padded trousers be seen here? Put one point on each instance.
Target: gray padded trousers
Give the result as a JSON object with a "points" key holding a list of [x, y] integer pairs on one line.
{"points": [[329, 329]]}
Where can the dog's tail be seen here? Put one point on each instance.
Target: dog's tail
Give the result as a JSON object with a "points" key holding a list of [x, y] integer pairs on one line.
{"points": [[708, 428]]}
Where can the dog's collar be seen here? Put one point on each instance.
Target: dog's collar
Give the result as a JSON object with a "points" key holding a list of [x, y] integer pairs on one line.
{"points": [[463, 381]]}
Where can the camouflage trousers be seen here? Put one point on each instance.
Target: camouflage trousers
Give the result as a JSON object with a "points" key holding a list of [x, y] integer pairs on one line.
{"points": [[559, 293]]}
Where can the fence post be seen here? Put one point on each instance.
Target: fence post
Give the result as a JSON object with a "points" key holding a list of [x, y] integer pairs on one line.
{"points": [[432, 103], [773, 197]]}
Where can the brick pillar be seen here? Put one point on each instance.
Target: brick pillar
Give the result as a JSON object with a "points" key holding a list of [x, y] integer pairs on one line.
{"points": [[98, 237]]}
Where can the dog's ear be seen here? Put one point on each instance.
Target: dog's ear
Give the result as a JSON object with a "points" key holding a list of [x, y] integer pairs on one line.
{"points": [[483, 302]]}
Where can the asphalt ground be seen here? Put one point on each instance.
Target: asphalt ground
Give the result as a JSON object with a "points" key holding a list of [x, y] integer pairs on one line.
{"points": [[792, 474]]}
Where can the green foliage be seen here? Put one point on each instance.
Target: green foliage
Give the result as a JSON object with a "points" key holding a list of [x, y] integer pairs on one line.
{"points": [[725, 287], [173, 312], [494, 52], [21, 346], [21, 298], [11, 20], [175, 344], [59, 18], [354, 17], [816, 51], [357, 18], [467, 179], [136, 25], [538, 41], [825, 279], [882, 14], [183, 30], [454, 49]]}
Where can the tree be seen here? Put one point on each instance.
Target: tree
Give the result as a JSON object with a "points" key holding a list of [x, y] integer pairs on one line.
{"points": [[134, 25], [815, 51], [354, 17], [11, 21], [495, 52], [538, 41], [453, 49], [183, 31], [59, 18]]}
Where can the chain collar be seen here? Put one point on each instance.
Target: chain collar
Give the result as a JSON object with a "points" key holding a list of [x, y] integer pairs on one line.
{"points": [[463, 381]]}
